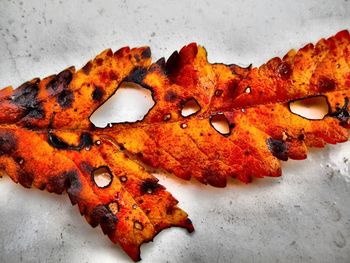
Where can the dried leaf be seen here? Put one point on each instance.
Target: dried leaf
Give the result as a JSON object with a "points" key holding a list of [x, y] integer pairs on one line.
{"points": [[255, 102], [47, 140]]}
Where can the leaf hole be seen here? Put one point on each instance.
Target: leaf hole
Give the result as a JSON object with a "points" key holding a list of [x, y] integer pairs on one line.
{"points": [[220, 123], [123, 178], [138, 225], [130, 103], [102, 177], [314, 108], [167, 117], [183, 125], [113, 207], [248, 89], [191, 107]]}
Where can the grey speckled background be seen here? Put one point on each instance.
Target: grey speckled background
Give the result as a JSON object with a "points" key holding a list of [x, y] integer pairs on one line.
{"points": [[303, 216]]}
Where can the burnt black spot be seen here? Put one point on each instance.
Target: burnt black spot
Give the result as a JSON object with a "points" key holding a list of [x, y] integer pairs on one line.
{"points": [[170, 210], [342, 114], [101, 215], [41, 186], [65, 99], [97, 94], [52, 118], [232, 89], [73, 185], [170, 96], [99, 61], [189, 226], [86, 167], [36, 113], [8, 142], [284, 70], [137, 75], [149, 186], [325, 84], [109, 53], [60, 82], [108, 223], [87, 68], [278, 148], [57, 184], [25, 96], [25, 179], [85, 140], [113, 75], [96, 215], [213, 178], [173, 63], [146, 53], [56, 142], [160, 64], [301, 137], [137, 57], [59, 87], [121, 147]]}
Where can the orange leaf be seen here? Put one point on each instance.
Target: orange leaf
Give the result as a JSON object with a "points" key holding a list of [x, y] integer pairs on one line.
{"points": [[47, 140]]}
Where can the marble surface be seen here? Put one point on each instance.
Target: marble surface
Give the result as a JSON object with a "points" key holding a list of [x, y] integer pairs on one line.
{"points": [[303, 216]]}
